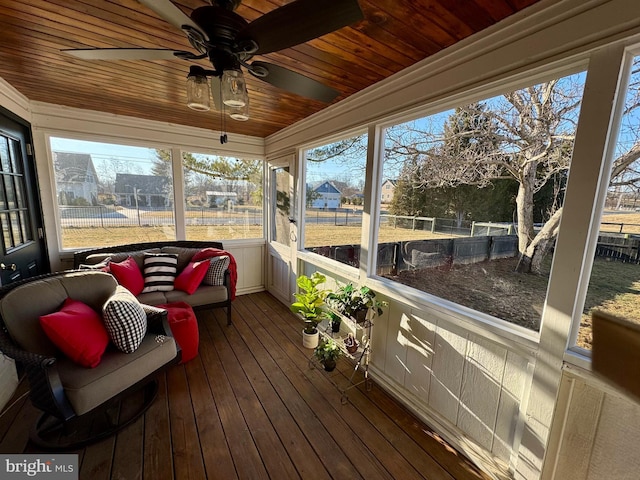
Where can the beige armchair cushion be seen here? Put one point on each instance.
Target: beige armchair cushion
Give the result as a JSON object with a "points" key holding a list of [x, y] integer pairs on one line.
{"points": [[87, 388], [21, 308]]}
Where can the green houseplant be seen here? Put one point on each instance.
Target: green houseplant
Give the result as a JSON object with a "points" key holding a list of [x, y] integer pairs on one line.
{"points": [[309, 305], [327, 352], [355, 302], [335, 321]]}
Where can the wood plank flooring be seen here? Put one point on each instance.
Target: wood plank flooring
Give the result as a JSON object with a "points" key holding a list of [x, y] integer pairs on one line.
{"points": [[250, 407]]}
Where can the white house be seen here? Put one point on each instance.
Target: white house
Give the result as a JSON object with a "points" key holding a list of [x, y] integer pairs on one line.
{"points": [[388, 189], [221, 199], [76, 178]]}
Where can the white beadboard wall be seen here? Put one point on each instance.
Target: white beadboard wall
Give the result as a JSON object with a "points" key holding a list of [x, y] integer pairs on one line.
{"points": [[596, 431], [472, 388], [250, 260]]}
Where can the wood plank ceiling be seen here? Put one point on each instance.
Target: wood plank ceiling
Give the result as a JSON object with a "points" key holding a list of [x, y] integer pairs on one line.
{"points": [[393, 35]]}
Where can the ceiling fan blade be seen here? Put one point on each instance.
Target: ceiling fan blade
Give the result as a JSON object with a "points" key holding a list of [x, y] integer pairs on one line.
{"points": [[293, 82], [298, 22], [125, 53], [172, 14]]}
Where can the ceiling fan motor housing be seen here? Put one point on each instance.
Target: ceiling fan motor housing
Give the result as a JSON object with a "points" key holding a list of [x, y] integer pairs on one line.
{"points": [[222, 27]]}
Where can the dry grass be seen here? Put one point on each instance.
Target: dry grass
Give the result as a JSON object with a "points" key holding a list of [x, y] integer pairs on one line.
{"points": [[94, 236], [630, 222], [315, 235], [322, 235]]}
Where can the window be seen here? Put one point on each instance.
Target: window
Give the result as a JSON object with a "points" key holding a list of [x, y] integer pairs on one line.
{"points": [[112, 194], [14, 218], [333, 195], [223, 197], [478, 191], [614, 285]]}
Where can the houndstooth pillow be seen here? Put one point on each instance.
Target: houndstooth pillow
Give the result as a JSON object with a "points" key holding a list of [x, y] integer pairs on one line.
{"points": [[159, 271], [215, 273], [125, 319]]}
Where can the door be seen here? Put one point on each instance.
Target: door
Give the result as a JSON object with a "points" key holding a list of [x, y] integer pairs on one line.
{"points": [[23, 252], [282, 228]]}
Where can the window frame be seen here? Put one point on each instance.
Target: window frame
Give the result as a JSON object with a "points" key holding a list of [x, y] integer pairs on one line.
{"points": [[326, 263], [177, 176], [574, 353]]}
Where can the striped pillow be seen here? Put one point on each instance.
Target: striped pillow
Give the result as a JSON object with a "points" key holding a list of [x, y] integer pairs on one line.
{"points": [[159, 271], [215, 273]]}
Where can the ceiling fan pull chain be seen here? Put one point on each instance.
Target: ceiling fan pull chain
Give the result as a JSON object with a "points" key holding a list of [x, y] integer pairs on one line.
{"points": [[223, 121]]}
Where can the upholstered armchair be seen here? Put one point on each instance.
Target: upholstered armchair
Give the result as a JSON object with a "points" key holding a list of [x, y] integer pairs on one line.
{"points": [[75, 380]]}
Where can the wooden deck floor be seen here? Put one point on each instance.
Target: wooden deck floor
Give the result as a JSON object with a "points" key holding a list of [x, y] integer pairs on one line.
{"points": [[250, 407]]}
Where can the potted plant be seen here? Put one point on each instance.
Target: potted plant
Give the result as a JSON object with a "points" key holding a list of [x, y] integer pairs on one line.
{"points": [[351, 343], [309, 305], [335, 321], [355, 302], [327, 353]]}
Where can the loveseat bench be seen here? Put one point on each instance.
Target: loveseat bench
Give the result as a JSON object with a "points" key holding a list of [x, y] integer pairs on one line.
{"points": [[206, 295]]}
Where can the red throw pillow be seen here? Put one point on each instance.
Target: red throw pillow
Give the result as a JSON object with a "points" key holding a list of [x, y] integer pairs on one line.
{"points": [[128, 275], [191, 277], [184, 328], [77, 330]]}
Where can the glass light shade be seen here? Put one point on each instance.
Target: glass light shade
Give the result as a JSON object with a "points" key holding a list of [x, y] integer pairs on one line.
{"points": [[234, 89], [198, 93], [240, 114]]}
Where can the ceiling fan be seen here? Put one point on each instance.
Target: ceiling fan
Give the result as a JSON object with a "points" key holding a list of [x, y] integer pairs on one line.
{"points": [[229, 42]]}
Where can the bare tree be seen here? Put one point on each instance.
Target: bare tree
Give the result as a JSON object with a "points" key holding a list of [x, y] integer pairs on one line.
{"points": [[526, 135]]}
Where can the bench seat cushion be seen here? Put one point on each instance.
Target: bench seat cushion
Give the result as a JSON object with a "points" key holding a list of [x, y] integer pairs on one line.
{"points": [[204, 295], [87, 388]]}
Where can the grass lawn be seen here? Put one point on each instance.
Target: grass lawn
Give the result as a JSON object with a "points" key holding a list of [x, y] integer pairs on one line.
{"points": [[315, 235], [495, 288]]}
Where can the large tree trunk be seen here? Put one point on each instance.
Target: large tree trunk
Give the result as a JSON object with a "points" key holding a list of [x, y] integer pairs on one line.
{"points": [[531, 259], [524, 206]]}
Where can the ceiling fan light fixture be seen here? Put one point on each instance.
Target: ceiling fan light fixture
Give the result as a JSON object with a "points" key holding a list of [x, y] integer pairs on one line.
{"points": [[234, 89], [241, 114], [198, 97]]}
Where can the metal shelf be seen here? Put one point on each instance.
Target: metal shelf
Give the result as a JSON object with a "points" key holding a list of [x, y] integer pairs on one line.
{"points": [[359, 359]]}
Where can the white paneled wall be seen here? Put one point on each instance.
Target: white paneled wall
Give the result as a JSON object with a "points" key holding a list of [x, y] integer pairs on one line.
{"points": [[250, 260], [279, 275], [472, 387], [596, 432]]}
